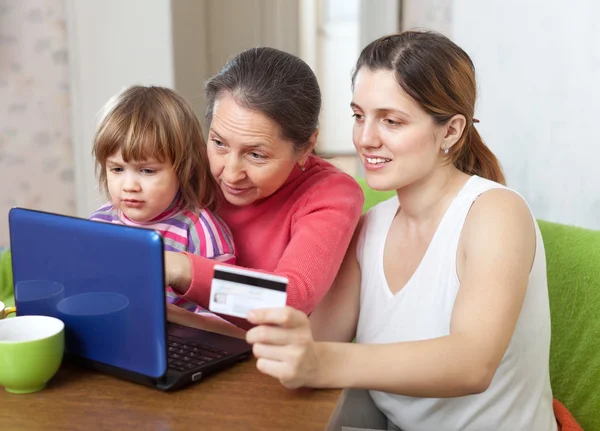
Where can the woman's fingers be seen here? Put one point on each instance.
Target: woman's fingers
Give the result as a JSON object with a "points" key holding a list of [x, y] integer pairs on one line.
{"points": [[280, 370], [268, 351], [268, 335], [283, 344], [275, 335], [287, 317], [270, 367]]}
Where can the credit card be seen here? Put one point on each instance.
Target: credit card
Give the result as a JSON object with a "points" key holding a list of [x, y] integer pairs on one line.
{"points": [[236, 291]]}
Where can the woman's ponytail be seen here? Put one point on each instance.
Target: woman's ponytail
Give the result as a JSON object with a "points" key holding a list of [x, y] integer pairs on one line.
{"points": [[475, 158]]}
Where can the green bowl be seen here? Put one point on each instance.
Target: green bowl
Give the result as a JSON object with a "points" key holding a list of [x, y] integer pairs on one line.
{"points": [[31, 350]]}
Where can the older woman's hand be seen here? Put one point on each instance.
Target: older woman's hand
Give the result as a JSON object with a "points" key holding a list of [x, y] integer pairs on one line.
{"points": [[285, 348]]}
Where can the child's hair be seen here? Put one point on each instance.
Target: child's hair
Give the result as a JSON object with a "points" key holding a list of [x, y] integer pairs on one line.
{"points": [[440, 76], [157, 123]]}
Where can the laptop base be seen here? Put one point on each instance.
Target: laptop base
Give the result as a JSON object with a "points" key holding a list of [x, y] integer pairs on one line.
{"points": [[175, 379]]}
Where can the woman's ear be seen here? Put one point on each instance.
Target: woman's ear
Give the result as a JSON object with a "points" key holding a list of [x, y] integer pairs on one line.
{"points": [[309, 149], [453, 130]]}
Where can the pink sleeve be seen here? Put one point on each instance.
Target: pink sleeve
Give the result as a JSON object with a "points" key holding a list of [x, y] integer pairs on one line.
{"points": [[321, 232]]}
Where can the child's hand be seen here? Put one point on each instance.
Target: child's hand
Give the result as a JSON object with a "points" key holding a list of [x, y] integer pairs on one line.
{"points": [[178, 271]]}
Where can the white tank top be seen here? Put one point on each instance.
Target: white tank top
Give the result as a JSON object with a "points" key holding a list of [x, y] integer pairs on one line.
{"points": [[519, 397]]}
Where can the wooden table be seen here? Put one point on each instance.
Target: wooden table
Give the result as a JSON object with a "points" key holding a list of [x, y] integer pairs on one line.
{"points": [[240, 398]]}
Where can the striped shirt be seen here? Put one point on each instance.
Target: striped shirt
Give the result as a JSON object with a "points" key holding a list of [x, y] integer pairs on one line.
{"points": [[201, 233]]}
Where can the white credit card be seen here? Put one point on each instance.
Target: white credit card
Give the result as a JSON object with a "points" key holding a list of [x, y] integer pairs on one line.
{"points": [[236, 291]]}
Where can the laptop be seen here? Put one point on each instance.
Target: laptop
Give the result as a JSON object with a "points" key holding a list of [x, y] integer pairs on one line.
{"points": [[106, 283]]}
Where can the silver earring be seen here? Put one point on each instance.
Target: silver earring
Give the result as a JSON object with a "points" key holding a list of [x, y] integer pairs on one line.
{"points": [[446, 150]]}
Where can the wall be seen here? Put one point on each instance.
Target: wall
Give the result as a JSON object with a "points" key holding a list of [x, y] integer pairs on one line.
{"points": [[179, 44], [206, 34], [111, 45], [338, 39], [174, 43], [36, 164], [344, 28], [538, 65], [190, 47], [428, 14], [378, 18]]}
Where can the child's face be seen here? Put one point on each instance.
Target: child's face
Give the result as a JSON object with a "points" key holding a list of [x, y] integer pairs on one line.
{"points": [[142, 189]]}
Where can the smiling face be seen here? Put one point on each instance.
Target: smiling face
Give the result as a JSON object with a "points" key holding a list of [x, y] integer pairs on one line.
{"points": [[141, 190], [398, 143], [248, 156]]}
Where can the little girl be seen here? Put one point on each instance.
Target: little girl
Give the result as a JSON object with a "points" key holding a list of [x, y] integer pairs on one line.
{"points": [[151, 160]]}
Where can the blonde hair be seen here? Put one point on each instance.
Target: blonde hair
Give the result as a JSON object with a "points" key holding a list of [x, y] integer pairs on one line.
{"points": [[157, 123]]}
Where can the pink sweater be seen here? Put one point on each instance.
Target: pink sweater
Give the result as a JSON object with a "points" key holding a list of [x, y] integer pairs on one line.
{"points": [[301, 232]]}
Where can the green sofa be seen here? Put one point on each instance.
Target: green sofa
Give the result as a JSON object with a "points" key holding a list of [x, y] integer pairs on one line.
{"points": [[6, 282], [573, 260]]}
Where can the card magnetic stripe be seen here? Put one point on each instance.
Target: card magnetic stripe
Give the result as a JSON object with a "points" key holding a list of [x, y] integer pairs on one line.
{"points": [[253, 281]]}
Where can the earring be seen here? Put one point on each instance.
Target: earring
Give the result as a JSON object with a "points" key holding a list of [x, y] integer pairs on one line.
{"points": [[446, 150]]}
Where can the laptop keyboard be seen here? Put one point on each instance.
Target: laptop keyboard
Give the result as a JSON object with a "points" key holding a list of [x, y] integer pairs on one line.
{"points": [[186, 355]]}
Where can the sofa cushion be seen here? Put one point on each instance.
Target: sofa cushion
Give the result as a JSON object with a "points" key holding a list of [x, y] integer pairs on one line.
{"points": [[573, 266], [372, 197], [6, 280]]}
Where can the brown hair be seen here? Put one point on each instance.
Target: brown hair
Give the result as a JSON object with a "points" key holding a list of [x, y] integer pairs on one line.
{"points": [[157, 123], [275, 83], [440, 76]]}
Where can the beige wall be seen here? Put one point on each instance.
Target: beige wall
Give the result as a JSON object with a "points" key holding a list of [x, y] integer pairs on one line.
{"points": [[206, 34], [427, 14], [179, 44], [36, 168], [43, 73]]}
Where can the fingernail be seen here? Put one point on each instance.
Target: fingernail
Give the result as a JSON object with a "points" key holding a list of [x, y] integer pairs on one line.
{"points": [[251, 315]]}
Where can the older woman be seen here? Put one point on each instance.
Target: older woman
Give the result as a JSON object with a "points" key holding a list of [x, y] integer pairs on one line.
{"points": [[291, 213]]}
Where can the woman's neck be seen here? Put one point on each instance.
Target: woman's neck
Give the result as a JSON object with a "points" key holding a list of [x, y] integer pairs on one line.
{"points": [[427, 199]]}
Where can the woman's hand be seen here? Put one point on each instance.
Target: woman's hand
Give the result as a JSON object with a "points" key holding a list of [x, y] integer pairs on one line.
{"points": [[285, 348], [178, 271]]}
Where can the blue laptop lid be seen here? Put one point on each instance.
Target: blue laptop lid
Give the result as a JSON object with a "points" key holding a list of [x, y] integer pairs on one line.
{"points": [[104, 281]]}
